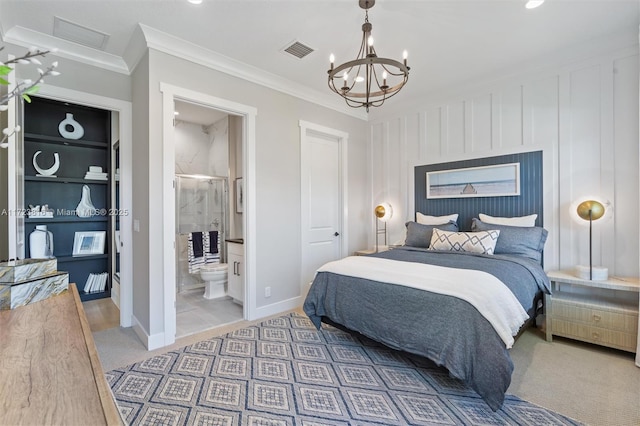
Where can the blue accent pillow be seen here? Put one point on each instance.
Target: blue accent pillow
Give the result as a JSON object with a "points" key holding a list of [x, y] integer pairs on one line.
{"points": [[419, 235], [518, 240]]}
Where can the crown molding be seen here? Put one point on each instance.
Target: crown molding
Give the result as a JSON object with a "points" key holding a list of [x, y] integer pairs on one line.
{"points": [[145, 37], [174, 46], [135, 50], [25, 37]]}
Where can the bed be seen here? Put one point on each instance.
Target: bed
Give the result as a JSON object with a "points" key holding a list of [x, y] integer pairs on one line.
{"points": [[386, 298], [407, 298]]}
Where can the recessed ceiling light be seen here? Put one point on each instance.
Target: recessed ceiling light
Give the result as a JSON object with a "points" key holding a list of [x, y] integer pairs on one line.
{"points": [[195, 1], [532, 4]]}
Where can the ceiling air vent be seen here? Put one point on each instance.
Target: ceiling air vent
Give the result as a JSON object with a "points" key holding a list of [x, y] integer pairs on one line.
{"points": [[78, 34], [297, 49]]}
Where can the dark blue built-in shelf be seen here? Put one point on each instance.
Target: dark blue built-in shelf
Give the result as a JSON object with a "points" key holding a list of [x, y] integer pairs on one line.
{"points": [[60, 179], [65, 219], [32, 137]]}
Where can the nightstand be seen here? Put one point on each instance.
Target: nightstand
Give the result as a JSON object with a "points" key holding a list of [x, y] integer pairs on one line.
{"points": [[601, 312], [370, 251]]}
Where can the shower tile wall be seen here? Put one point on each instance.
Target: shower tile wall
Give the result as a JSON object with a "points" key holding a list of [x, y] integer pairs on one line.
{"points": [[202, 149]]}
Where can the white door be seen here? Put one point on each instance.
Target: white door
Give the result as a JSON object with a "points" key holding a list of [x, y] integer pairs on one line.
{"points": [[323, 197]]}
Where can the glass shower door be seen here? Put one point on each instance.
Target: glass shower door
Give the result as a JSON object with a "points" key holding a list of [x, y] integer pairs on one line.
{"points": [[201, 204]]}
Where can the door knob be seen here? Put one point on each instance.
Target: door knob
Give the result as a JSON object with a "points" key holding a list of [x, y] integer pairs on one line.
{"points": [[336, 234]]}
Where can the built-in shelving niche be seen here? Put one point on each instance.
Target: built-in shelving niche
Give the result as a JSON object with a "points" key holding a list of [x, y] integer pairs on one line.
{"points": [[63, 192]]}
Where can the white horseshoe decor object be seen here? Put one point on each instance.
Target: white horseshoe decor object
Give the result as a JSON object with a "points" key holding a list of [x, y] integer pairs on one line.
{"points": [[51, 170], [78, 130]]}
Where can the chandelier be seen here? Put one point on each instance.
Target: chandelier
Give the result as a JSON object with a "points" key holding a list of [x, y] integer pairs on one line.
{"points": [[368, 80]]}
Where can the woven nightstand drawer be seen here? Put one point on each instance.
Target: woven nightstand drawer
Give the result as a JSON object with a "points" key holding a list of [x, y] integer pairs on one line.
{"points": [[597, 335], [618, 319]]}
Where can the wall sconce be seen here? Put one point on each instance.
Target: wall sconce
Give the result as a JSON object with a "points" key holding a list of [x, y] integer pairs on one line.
{"points": [[591, 210], [383, 213]]}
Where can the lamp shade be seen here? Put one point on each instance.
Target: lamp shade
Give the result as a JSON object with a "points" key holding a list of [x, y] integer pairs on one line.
{"points": [[383, 211], [590, 210]]}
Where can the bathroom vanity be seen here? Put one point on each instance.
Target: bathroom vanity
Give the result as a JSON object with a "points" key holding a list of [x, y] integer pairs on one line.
{"points": [[235, 256]]}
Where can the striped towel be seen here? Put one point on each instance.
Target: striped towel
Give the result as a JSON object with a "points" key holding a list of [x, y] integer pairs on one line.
{"points": [[195, 251], [211, 247]]}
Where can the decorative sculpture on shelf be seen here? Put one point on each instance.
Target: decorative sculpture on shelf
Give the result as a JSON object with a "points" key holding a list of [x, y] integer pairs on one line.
{"points": [[85, 207], [50, 172], [76, 133]]}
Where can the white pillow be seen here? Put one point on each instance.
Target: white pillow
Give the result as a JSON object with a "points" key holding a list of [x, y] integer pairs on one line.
{"points": [[435, 220], [475, 242], [524, 221]]}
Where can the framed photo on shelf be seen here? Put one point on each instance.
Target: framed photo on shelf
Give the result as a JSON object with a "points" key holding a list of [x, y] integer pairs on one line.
{"points": [[88, 243], [239, 196]]}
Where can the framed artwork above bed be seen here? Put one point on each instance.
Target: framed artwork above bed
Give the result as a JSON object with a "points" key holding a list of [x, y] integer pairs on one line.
{"points": [[498, 180], [523, 171]]}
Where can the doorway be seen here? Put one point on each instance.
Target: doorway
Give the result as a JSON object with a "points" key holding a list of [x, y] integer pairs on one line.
{"points": [[323, 199], [246, 163]]}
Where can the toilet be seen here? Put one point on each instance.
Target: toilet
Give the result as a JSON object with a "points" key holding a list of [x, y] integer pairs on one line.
{"points": [[215, 279]]}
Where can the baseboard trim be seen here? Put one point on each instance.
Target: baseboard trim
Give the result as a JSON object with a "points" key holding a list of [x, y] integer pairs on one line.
{"points": [[277, 308], [151, 342]]}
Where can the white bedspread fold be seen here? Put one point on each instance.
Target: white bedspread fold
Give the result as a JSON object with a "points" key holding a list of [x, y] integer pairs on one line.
{"points": [[484, 291]]}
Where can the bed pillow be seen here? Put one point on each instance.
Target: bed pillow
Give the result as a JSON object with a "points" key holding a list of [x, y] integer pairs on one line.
{"points": [[419, 235], [435, 220], [483, 242], [519, 240], [510, 221]]}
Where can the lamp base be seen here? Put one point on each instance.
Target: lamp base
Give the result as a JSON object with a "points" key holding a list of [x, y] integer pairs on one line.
{"points": [[600, 273]]}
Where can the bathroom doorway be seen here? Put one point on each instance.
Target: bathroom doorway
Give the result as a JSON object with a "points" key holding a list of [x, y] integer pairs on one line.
{"points": [[242, 225], [205, 143]]}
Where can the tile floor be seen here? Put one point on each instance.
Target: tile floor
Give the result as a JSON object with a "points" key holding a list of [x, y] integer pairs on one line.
{"points": [[194, 313]]}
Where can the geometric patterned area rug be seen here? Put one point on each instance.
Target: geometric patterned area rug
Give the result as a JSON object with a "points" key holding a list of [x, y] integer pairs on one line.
{"points": [[285, 372]]}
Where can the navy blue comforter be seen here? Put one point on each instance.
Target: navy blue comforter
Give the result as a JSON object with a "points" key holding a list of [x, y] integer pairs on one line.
{"points": [[445, 329]]}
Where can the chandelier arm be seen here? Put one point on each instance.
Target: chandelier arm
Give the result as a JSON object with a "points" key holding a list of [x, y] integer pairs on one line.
{"points": [[388, 70]]}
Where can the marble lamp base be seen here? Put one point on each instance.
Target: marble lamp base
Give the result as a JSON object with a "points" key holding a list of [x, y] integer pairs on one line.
{"points": [[600, 273]]}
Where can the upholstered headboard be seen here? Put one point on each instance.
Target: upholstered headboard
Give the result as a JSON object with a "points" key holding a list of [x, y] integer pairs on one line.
{"points": [[528, 202]]}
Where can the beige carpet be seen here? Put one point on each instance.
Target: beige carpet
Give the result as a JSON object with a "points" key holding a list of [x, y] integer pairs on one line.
{"points": [[594, 385]]}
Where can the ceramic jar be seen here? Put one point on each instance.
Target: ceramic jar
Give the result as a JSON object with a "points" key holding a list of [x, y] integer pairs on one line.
{"points": [[41, 243]]}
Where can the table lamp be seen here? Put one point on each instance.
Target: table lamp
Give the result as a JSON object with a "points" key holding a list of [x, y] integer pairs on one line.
{"points": [[591, 210], [383, 212]]}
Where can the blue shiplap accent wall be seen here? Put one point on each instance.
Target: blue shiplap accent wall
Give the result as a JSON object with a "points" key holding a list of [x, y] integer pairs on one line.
{"points": [[528, 202]]}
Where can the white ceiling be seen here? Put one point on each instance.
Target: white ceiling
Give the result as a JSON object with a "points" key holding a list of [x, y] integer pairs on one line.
{"points": [[450, 42]]}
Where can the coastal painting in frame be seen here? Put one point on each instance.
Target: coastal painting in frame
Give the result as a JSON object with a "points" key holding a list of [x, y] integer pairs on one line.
{"points": [[498, 180]]}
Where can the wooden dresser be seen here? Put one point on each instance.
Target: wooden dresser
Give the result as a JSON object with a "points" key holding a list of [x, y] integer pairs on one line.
{"points": [[50, 373]]}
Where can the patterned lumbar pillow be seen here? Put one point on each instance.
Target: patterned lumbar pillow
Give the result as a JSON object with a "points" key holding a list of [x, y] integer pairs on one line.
{"points": [[475, 242]]}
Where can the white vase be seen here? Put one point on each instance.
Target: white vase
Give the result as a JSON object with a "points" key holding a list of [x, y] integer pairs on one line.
{"points": [[78, 130], [41, 243], [85, 207]]}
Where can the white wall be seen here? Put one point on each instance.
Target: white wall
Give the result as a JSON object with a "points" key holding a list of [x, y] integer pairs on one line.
{"points": [[582, 115], [277, 176], [142, 201]]}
